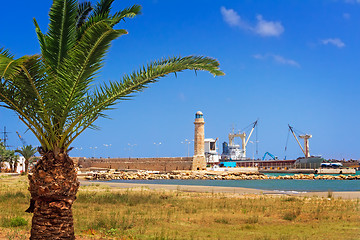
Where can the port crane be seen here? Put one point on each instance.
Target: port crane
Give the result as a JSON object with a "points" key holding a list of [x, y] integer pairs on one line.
{"points": [[272, 156], [306, 138], [242, 135], [21, 138]]}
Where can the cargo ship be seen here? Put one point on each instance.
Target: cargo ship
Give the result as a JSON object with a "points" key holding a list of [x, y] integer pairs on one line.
{"points": [[234, 155]]}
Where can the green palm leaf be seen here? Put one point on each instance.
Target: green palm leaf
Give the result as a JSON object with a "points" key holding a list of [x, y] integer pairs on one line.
{"points": [[61, 36], [83, 12]]}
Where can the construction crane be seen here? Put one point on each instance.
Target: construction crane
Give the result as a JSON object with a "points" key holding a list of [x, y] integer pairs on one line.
{"points": [[242, 135], [306, 138], [21, 138], [272, 156]]}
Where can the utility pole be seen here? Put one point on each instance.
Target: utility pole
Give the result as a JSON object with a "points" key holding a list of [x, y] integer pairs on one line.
{"points": [[157, 148], [188, 146], [130, 148], [5, 137]]}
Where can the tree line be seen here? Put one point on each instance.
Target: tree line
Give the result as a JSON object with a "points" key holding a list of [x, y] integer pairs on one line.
{"points": [[10, 156]]}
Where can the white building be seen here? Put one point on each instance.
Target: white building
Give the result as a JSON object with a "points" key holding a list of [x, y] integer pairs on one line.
{"points": [[210, 148], [20, 166]]}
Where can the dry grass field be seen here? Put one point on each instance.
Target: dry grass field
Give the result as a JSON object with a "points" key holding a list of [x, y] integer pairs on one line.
{"points": [[111, 213]]}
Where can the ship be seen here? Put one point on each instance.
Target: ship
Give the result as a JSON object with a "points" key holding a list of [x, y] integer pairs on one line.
{"points": [[235, 155]]}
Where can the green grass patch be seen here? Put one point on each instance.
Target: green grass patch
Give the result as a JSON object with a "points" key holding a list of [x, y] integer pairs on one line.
{"points": [[13, 222]]}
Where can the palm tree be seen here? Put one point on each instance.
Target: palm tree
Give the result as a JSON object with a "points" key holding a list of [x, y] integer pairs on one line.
{"points": [[2, 150], [27, 152], [13, 160], [9, 157], [55, 96]]}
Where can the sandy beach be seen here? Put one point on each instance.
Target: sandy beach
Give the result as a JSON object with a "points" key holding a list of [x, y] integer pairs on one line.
{"points": [[234, 190]]}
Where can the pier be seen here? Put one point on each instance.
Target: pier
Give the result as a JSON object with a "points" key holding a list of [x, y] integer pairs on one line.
{"points": [[309, 171]]}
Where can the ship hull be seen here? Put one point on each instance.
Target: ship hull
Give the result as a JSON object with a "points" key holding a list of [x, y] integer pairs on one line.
{"points": [[311, 162], [305, 163]]}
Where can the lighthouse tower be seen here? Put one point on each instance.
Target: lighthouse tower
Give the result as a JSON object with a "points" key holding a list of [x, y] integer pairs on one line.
{"points": [[199, 162]]}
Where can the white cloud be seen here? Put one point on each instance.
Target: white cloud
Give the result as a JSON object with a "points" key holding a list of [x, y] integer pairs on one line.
{"points": [[334, 41], [262, 27], [283, 60], [230, 16], [233, 19], [277, 58], [268, 28]]}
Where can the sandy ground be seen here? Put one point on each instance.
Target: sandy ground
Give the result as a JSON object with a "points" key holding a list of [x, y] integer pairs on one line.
{"points": [[236, 190]]}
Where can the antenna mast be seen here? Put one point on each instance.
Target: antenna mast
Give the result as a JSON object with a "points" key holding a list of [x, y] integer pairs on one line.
{"points": [[5, 137]]}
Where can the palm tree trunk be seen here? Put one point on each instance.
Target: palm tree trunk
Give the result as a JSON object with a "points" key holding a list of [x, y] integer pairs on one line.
{"points": [[14, 167], [53, 188], [26, 165]]}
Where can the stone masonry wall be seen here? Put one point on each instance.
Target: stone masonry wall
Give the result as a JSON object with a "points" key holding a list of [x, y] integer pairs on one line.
{"points": [[152, 164]]}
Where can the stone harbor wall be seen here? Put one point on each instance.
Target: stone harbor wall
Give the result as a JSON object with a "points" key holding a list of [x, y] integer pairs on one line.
{"points": [[210, 175], [151, 164]]}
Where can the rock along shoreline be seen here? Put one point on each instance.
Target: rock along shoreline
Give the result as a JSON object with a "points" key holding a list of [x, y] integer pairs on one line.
{"points": [[205, 175]]}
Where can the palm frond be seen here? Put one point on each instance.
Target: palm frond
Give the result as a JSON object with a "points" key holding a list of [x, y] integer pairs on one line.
{"points": [[22, 89], [103, 8], [129, 12], [27, 151], [83, 12], [6, 53], [42, 40], [61, 32], [107, 95], [101, 13], [83, 63]]}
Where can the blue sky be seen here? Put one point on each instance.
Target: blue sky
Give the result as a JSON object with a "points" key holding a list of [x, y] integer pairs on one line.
{"points": [[286, 62]]}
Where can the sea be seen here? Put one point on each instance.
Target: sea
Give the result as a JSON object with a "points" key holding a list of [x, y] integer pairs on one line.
{"points": [[267, 184]]}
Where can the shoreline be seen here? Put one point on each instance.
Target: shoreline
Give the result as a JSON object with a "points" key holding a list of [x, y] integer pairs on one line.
{"points": [[229, 190], [206, 175]]}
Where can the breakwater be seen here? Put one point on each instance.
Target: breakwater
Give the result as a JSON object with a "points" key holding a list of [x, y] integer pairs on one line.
{"points": [[208, 175], [149, 164]]}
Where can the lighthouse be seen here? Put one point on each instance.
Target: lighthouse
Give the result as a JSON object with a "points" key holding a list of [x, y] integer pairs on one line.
{"points": [[199, 162]]}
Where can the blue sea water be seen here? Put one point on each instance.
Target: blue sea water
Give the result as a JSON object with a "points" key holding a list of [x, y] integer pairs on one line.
{"points": [[269, 184], [290, 174]]}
